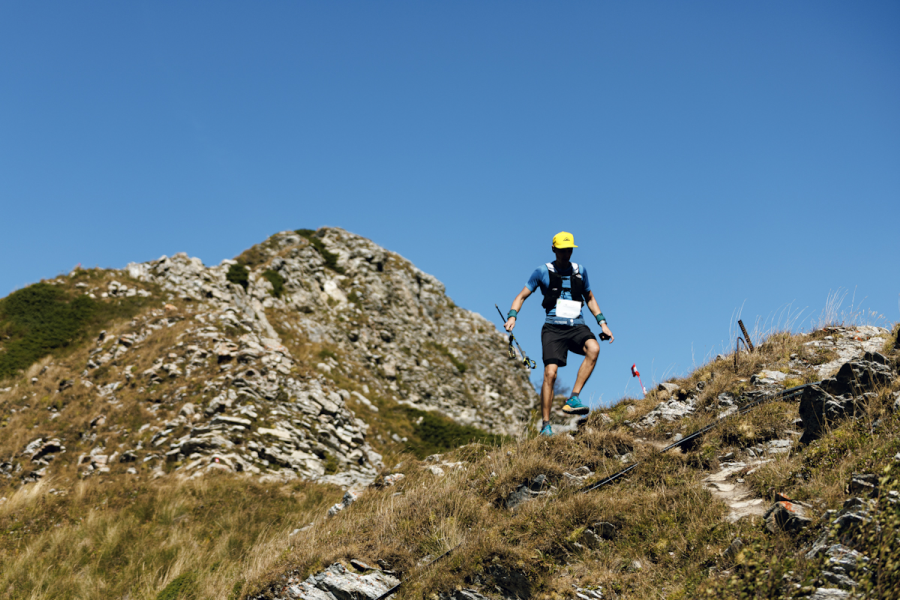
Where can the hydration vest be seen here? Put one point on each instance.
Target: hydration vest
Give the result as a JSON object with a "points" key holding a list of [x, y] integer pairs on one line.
{"points": [[554, 290]]}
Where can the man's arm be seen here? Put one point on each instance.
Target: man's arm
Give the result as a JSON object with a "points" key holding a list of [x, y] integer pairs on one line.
{"points": [[595, 310], [516, 306]]}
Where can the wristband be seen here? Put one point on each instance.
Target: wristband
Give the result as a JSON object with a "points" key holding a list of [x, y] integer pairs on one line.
{"points": [[601, 318], [513, 314]]}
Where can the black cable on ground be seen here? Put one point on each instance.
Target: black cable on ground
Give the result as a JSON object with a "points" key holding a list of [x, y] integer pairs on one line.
{"points": [[783, 395], [391, 591]]}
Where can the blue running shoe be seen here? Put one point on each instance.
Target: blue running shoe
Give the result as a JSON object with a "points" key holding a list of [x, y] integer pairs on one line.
{"points": [[573, 406], [546, 430]]}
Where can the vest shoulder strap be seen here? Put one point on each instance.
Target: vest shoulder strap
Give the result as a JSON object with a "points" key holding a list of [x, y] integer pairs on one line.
{"points": [[575, 269]]}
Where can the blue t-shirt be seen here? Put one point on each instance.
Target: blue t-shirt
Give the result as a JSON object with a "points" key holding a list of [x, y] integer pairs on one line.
{"points": [[541, 277]]}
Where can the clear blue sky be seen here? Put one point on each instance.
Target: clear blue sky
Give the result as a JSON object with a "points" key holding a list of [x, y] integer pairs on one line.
{"points": [[707, 156]]}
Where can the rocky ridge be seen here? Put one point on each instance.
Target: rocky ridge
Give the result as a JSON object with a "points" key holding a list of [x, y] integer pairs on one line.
{"points": [[277, 382]]}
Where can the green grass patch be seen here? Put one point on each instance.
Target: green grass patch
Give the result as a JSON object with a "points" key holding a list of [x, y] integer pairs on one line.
{"points": [[38, 320], [326, 353], [42, 319], [330, 258], [277, 281], [435, 434], [442, 350], [331, 464], [180, 588], [236, 590], [238, 273]]}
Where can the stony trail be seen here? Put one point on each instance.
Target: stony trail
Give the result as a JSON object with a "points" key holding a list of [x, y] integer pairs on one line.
{"points": [[734, 492]]}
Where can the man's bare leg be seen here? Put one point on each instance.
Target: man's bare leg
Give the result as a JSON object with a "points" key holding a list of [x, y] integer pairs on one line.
{"points": [[547, 389], [591, 352]]}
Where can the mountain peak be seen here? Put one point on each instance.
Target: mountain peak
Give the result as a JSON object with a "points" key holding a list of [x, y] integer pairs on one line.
{"points": [[309, 355]]}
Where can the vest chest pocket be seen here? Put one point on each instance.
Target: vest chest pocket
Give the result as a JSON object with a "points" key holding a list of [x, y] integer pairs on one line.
{"points": [[568, 309]]}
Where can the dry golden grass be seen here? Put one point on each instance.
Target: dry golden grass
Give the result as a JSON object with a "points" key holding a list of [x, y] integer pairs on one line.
{"points": [[666, 520], [118, 537], [113, 535], [42, 411], [663, 502]]}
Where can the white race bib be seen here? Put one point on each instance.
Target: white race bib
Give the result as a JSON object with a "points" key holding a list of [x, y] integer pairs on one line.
{"points": [[568, 309]]}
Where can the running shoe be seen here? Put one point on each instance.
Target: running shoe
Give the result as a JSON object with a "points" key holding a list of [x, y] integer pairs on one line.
{"points": [[546, 430], [573, 406]]}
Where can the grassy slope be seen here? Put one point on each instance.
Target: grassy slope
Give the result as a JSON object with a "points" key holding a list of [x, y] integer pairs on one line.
{"points": [[112, 535], [665, 518], [46, 319], [225, 536], [117, 535]]}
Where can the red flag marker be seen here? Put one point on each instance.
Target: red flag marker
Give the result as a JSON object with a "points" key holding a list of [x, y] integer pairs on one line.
{"points": [[636, 373]]}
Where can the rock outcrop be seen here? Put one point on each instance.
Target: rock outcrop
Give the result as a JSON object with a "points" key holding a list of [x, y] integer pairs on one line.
{"points": [[278, 362], [848, 343], [842, 395], [338, 583], [376, 308]]}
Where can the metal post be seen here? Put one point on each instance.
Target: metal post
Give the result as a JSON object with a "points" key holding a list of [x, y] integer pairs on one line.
{"points": [[746, 336]]}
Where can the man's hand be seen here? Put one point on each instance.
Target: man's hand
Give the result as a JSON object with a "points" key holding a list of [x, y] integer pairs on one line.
{"points": [[516, 306], [606, 330]]}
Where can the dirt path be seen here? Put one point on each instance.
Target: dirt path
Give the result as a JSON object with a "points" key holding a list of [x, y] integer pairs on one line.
{"points": [[728, 488]]}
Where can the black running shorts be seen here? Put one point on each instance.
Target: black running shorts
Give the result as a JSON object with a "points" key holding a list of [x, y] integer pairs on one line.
{"points": [[558, 340]]}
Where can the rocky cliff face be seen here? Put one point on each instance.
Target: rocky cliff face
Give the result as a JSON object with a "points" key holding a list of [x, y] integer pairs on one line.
{"points": [[275, 364]]}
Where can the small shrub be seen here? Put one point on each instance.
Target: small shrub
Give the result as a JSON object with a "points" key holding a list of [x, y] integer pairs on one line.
{"points": [[277, 281], [792, 382], [325, 353], [238, 273], [331, 464], [330, 258], [435, 434], [236, 590], [893, 342], [180, 588]]}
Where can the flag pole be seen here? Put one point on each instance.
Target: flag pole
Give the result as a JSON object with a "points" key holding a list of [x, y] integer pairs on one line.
{"points": [[636, 373]]}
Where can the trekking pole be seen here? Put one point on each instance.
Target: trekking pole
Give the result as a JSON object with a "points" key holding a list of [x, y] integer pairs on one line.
{"points": [[512, 353]]}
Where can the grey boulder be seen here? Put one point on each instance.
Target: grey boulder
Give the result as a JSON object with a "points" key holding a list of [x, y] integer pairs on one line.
{"points": [[829, 594], [842, 395], [337, 583], [786, 516]]}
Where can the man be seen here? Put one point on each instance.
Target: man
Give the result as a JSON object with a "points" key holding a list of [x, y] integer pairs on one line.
{"points": [[565, 287]]}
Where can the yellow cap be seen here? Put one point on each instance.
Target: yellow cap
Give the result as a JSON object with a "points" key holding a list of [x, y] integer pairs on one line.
{"points": [[564, 239]]}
